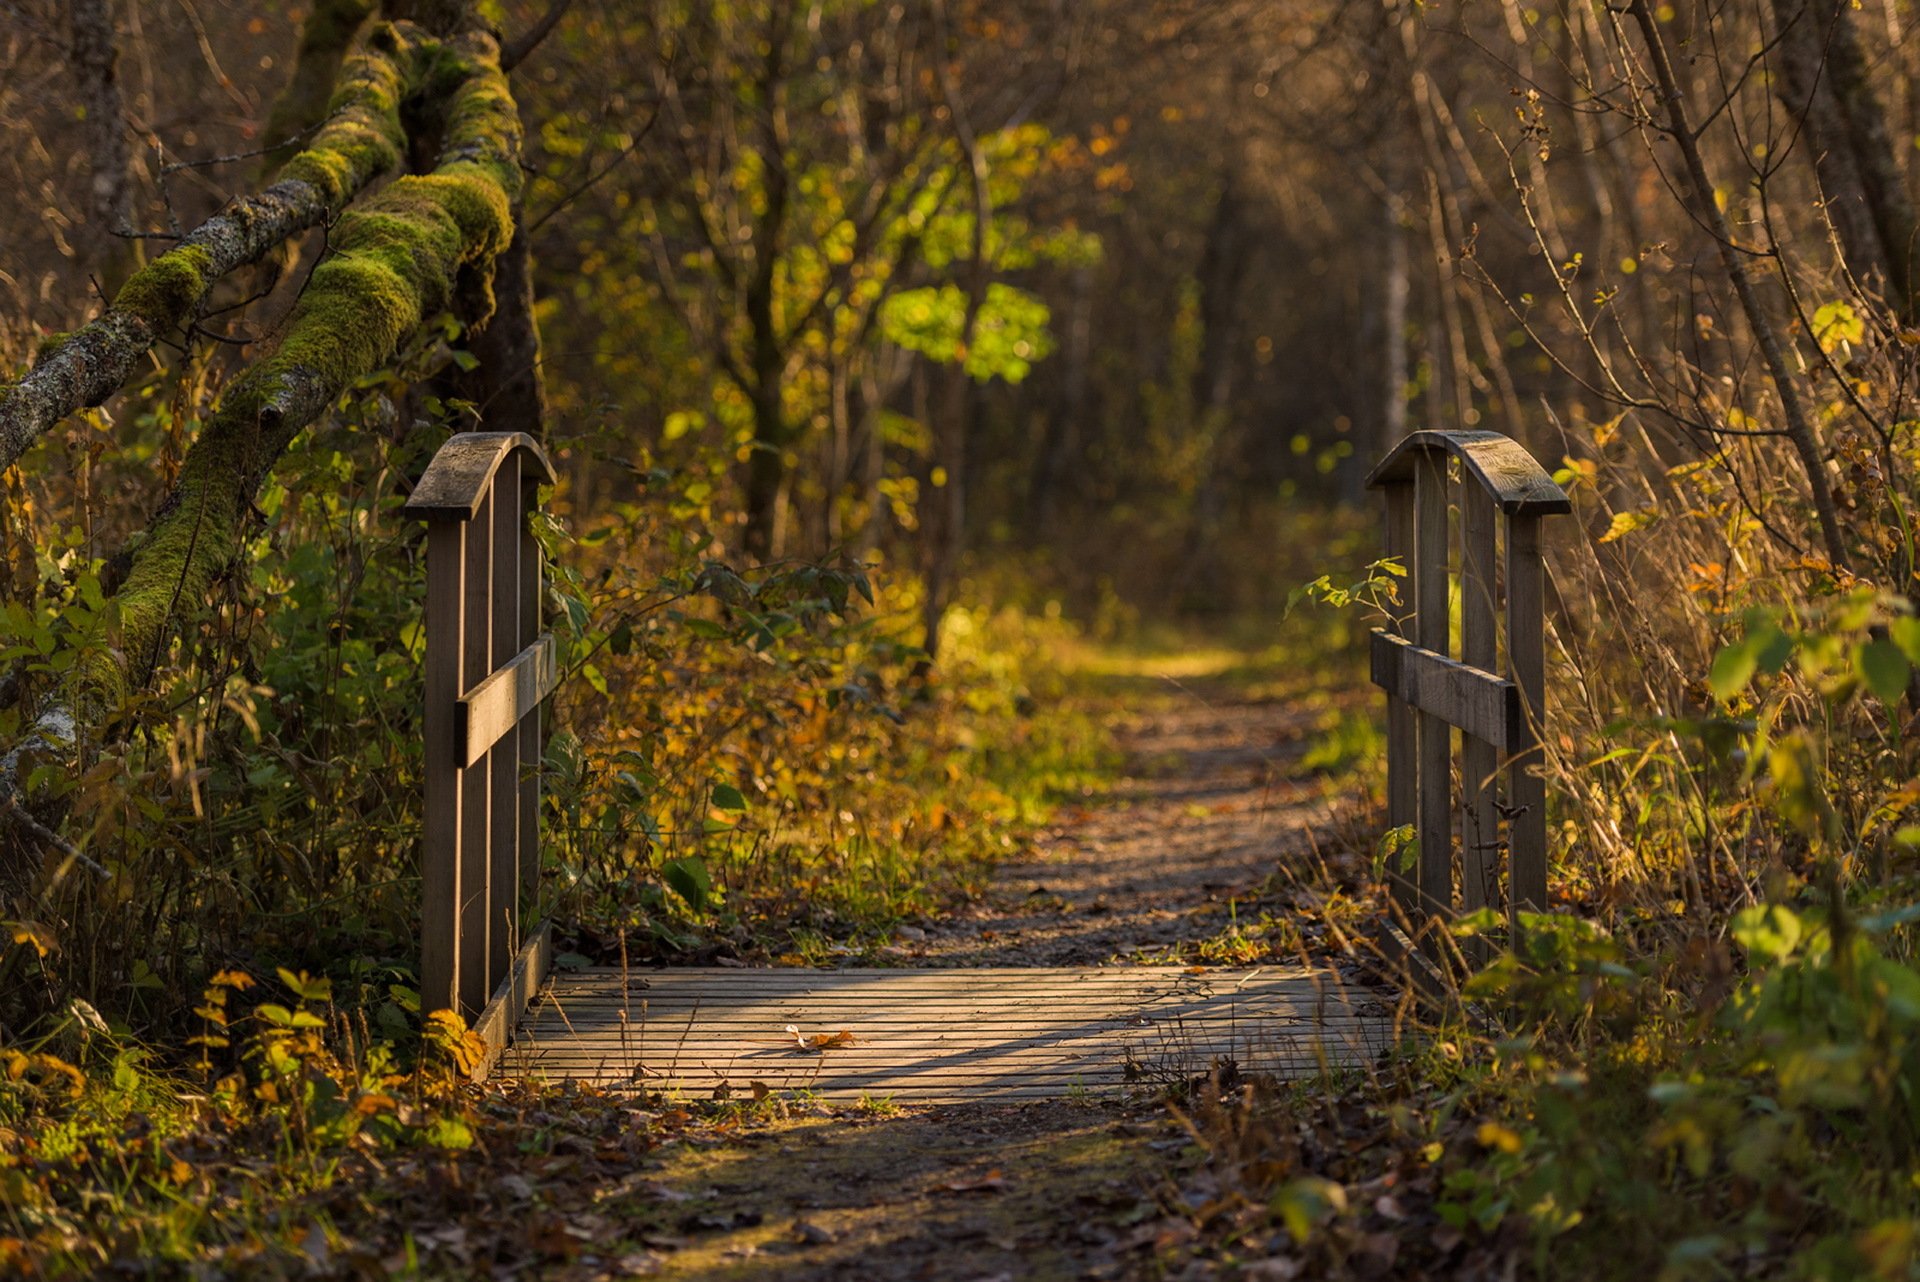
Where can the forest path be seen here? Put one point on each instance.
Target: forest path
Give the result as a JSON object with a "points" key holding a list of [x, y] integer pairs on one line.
{"points": [[1211, 805]]}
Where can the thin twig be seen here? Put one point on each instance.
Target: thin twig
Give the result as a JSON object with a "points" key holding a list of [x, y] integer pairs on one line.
{"points": [[12, 806]]}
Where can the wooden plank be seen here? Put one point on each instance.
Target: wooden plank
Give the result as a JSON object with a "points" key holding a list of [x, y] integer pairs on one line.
{"points": [[1281, 1021], [503, 766], [1527, 660], [476, 803], [1501, 465], [1403, 779], [1478, 702], [1434, 823], [1480, 751], [462, 471], [440, 837], [524, 977], [496, 704], [954, 1034]]}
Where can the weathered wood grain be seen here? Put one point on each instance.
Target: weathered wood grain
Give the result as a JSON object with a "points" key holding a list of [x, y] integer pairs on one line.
{"points": [[1435, 732], [1502, 465], [955, 1034], [1527, 659], [1480, 703], [462, 472], [513, 691], [1403, 782], [1480, 750], [440, 836]]}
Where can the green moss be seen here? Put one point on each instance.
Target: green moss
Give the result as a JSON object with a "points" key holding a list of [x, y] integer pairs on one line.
{"points": [[324, 38], [363, 135], [393, 260], [48, 345], [166, 291]]}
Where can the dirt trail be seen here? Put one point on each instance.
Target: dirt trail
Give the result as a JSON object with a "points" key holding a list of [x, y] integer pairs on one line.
{"points": [[1207, 811]]}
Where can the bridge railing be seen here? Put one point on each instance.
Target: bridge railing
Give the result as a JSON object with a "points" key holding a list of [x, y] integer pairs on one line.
{"points": [[489, 666], [1433, 688]]}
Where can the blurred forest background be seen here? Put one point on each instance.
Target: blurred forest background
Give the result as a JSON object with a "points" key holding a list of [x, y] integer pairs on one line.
{"points": [[890, 350], [1100, 311]]}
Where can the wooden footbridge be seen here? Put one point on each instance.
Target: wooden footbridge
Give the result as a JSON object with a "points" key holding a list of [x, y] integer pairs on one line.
{"points": [[962, 1034]]}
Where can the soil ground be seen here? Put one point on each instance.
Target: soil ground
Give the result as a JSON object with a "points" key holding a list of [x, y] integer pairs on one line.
{"points": [[1210, 808]]}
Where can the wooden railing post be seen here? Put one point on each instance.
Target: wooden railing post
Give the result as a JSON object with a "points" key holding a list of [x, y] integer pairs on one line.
{"points": [[1403, 792], [503, 759], [1430, 693], [1527, 660], [440, 838], [1479, 648], [1435, 733], [489, 668], [475, 800]]}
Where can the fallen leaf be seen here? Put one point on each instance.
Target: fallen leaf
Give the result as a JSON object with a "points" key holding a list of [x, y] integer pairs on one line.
{"points": [[821, 1041], [992, 1182]]}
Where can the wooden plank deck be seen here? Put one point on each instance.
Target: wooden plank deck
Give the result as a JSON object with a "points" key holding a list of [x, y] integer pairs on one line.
{"points": [[943, 1035]]}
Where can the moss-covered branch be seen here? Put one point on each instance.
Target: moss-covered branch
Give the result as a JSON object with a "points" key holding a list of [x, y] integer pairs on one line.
{"points": [[393, 262], [362, 139], [325, 38]]}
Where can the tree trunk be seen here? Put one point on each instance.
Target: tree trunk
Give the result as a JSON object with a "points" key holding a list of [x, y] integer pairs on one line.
{"points": [[1824, 83], [1060, 441], [358, 306], [1799, 428], [363, 140], [90, 24], [512, 380], [325, 38]]}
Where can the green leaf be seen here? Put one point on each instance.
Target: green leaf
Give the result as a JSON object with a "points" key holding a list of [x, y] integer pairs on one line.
{"points": [[1835, 324], [728, 797], [689, 879], [1769, 932], [1905, 632], [1304, 1202], [449, 1133], [1733, 668], [1884, 668]]}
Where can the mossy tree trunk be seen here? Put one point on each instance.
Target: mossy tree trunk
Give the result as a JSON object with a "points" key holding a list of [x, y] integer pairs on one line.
{"points": [[361, 140], [303, 105], [393, 260]]}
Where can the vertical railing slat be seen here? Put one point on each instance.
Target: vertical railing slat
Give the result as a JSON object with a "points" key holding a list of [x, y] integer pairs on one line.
{"points": [[476, 803], [1479, 646], [1435, 822], [440, 844], [1402, 776], [529, 733], [503, 762], [1527, 663]]}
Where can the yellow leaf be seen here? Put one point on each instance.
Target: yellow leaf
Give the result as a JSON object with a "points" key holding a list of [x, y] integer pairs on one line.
{"points": [[1625, 523], [33, 933], [1494, 1135]]}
